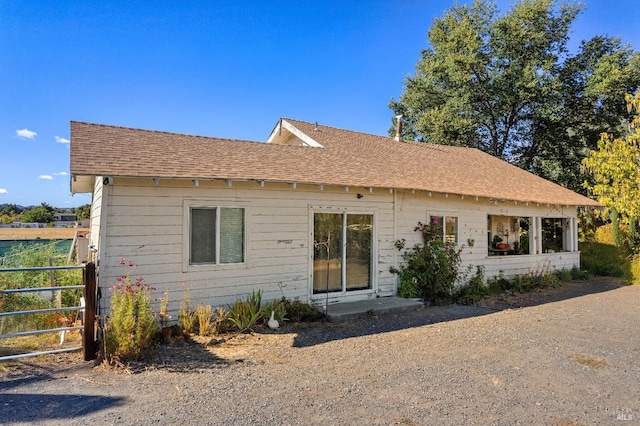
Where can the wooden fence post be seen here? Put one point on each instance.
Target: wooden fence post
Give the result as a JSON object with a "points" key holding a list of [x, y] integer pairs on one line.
{"points": [[88, 338]]}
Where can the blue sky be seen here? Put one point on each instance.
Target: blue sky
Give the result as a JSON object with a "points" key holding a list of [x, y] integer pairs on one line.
{"points": [[213, 68]]}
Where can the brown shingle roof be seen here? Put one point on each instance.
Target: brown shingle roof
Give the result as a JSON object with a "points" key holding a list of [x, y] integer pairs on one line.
{"points": [[347, 159]]}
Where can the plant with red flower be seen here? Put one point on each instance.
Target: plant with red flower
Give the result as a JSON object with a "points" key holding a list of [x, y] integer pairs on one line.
{"points": [[431, 269], [131, 324]]}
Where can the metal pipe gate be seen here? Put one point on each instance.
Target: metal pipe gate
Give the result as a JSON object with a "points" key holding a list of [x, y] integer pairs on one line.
{"points": [[89, 310]]}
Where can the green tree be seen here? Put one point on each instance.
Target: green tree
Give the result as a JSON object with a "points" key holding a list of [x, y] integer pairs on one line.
{"points": [[507, 85], [592, 87], [10, 209], [40, 214], [83, 211], [7, 218], [615, 171]]}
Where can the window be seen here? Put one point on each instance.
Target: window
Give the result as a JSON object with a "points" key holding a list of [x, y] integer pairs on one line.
{"points": [[216, 235], [508, 235], [447, 226]]}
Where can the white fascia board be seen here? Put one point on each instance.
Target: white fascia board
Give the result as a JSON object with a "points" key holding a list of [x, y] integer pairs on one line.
{"points": [[284, 124]]}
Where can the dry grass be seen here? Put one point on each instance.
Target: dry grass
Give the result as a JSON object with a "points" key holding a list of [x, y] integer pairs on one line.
{"points": [[590, 361], [38, 233], [37, 343]]}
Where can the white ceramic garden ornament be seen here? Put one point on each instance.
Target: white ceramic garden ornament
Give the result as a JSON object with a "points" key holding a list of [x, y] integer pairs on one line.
{"points": [[273, 323]]}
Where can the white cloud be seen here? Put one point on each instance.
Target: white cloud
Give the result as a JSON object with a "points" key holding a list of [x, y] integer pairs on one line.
{"points": [[61, 140], [3, 191], [25, 134], [61, 174], [46, 177]]}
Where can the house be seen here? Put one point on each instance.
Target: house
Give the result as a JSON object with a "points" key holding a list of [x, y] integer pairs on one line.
{"points": [[65, 220], [313, 213]]}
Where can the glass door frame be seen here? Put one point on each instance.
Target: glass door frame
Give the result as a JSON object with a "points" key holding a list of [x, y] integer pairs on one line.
{"points": [[343, 293]]}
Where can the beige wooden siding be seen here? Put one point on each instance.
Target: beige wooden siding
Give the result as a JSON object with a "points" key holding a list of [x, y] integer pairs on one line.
{"points": [[472, 224], [145, 224]]}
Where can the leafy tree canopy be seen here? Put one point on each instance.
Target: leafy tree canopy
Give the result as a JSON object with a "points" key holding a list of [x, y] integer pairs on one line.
{"points": [[10, 209], [507, 85], [38, 214], [615, 168], [83, 211]]}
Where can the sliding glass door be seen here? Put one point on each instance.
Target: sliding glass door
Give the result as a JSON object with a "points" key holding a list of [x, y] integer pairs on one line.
{"points": [[342, 255]]}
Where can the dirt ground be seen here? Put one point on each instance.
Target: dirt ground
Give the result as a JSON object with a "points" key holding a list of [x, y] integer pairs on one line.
{"points": [[38, 233], [566, 356]]}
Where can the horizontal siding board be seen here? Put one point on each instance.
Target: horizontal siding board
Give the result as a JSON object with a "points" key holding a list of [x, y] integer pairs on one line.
{"points": [[144, 229], [147, 224]]}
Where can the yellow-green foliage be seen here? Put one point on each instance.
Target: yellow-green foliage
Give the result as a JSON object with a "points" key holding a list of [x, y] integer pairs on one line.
{"points": [[615, 167], [635, 269], [604, 233]]}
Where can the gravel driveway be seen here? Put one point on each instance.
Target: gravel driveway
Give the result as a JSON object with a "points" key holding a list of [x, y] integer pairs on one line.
{"points": [[568, 362]]}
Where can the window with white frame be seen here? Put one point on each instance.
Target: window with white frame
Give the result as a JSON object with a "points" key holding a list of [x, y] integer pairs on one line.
{"points": [[216, 235], [447, 226]]}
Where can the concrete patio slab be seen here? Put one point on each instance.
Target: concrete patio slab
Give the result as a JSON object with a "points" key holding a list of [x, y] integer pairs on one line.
{"points": [[382, 305]]}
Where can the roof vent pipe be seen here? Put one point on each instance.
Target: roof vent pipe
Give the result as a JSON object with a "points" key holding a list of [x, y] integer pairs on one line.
{"points": [[315, 129], [399, 127]]}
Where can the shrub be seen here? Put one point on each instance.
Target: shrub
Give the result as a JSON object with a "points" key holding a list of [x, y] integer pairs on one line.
{"points": [[298, 311], [408, 288], [433, 265], [605, 260], [579, 274], [635, 269], [203, 314], [278, 309], [473, 290], [221, 323], [245, 314], [563, 274], [132, 324]]}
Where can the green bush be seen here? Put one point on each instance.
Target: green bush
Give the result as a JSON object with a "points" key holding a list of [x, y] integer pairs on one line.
{"points": [[473, 290], [579, 274], [298, 311], [132, 324], [605, 260], [407, 288], [563, 274], [244, 314], [433, 265]]}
